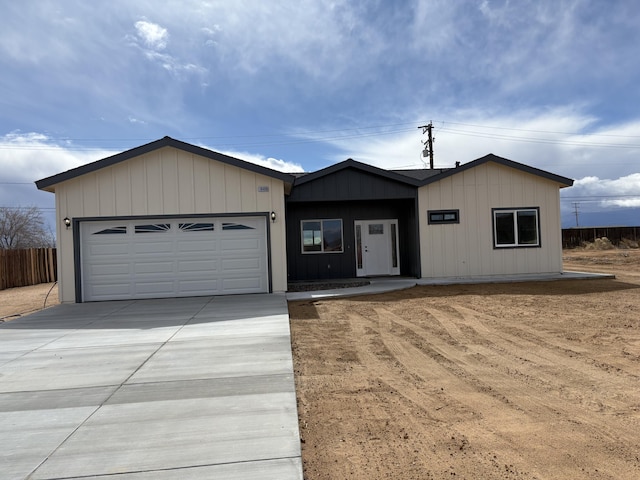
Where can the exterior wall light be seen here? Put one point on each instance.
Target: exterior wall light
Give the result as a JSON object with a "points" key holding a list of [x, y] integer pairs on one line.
{"points": [[273, 216], [67, 222]]}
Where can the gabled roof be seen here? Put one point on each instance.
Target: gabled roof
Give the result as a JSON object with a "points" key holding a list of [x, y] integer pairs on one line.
{"points": [[363, 167], [45, 183], [420, 177], [563, 181], [421, 173]]}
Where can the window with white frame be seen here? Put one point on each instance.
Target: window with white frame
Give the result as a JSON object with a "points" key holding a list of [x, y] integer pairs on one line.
{"points": [[322, 236], [516, 227]]}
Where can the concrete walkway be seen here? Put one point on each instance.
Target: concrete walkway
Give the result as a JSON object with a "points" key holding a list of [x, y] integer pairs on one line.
{"points": [[390, 284], [191, 388]]}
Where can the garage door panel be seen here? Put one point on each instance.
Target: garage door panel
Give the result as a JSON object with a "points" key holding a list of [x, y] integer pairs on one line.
{"points": [[155, 287], [231, 265], [197, 266], [154, 268], [182, 257], [108, 269], [121, 248], [153, 247], [241, 285], [198, 287], [198, 245], [230, 245], [107, 291]]}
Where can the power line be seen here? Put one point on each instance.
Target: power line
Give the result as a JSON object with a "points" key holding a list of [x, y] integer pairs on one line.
{"points": [[555, 132], [578, 197], [44, 147], [539, 140], [14, 207], [359, 132]]}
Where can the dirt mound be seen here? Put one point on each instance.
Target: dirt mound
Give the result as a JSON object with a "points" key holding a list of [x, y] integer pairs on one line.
{"points": [[600, 244], [628, 243]]}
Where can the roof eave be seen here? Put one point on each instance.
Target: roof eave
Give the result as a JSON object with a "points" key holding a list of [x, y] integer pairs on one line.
{"points": [[562, 181], [350, 163], [49, 182]]}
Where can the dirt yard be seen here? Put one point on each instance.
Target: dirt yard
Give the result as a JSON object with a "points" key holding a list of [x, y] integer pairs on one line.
{"points": [[506, 381], [15, 302]]}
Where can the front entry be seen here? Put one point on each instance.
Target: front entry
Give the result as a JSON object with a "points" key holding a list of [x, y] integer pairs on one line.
{"points": [[377, 248]]}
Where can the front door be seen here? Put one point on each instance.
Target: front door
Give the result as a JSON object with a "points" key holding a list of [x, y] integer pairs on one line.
{"points": [[377, 248]]}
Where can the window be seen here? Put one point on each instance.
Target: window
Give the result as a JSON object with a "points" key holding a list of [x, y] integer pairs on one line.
{"points": [[155, 228], [196, 227], [376, 229], [359, 247], [516, 227], [322, 236], [112, 231], [236, 226], [394, 246], [443, 216]]}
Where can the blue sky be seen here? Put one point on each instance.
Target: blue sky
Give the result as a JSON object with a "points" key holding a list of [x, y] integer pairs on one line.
{"points": [[299, 85]]}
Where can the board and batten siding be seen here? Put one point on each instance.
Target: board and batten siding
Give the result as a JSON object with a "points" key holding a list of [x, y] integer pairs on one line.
{"points": [[466, 249], [168, 181]]}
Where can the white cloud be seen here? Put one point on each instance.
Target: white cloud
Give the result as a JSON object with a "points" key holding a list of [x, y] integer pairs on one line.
{"points": [[623, 192], [153, 35], [269, 162], [154, 45], [31, 156]]}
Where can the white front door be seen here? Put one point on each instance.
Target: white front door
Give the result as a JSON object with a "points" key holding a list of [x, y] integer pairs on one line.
{"points": [[377, 250]]}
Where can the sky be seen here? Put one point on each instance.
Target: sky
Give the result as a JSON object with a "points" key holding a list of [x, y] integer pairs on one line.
{"points": [[300, 85]]}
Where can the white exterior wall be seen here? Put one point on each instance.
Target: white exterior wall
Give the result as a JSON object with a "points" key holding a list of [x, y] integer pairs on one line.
{"points": [[466, 249], [168, 181]]}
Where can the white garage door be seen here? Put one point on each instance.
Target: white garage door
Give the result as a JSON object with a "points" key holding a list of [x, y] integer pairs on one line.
{"points": [[156, 258]]}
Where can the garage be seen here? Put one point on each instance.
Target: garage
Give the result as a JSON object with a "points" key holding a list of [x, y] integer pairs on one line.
{"points": [[169, 219], [172, 257]]}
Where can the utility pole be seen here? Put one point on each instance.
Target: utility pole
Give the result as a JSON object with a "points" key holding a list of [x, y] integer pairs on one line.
{"points": [[575, 211], [428, 145]]}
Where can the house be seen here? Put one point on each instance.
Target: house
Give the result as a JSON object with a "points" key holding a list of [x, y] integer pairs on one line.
{"points": [[172, 219]]}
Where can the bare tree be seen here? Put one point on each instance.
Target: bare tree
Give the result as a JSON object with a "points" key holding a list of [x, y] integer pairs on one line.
{"points": [[24, 227]]}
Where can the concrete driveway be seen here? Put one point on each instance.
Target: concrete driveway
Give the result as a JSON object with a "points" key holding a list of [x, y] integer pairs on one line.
{"points": [[191, 388]]}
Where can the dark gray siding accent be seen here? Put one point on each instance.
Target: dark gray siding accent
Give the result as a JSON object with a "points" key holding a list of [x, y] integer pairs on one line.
{"points": [[316, 266], [351, 184]]}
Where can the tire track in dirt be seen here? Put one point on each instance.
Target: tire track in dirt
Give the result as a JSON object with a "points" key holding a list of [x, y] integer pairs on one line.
{"points": [[390, 374], [463, 353], [443, 408], [557, 360]]}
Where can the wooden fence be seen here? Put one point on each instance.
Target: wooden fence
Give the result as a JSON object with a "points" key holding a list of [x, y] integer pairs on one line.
{"points": [[574, 237], [22, 267]]}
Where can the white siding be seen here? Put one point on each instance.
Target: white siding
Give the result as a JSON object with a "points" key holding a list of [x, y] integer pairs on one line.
{"points": [[466, 249], [168, 182]]}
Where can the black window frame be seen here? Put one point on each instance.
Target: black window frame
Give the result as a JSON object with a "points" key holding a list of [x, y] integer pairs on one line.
{"points": [[517, 229], [433, 221], [322, 236]]}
